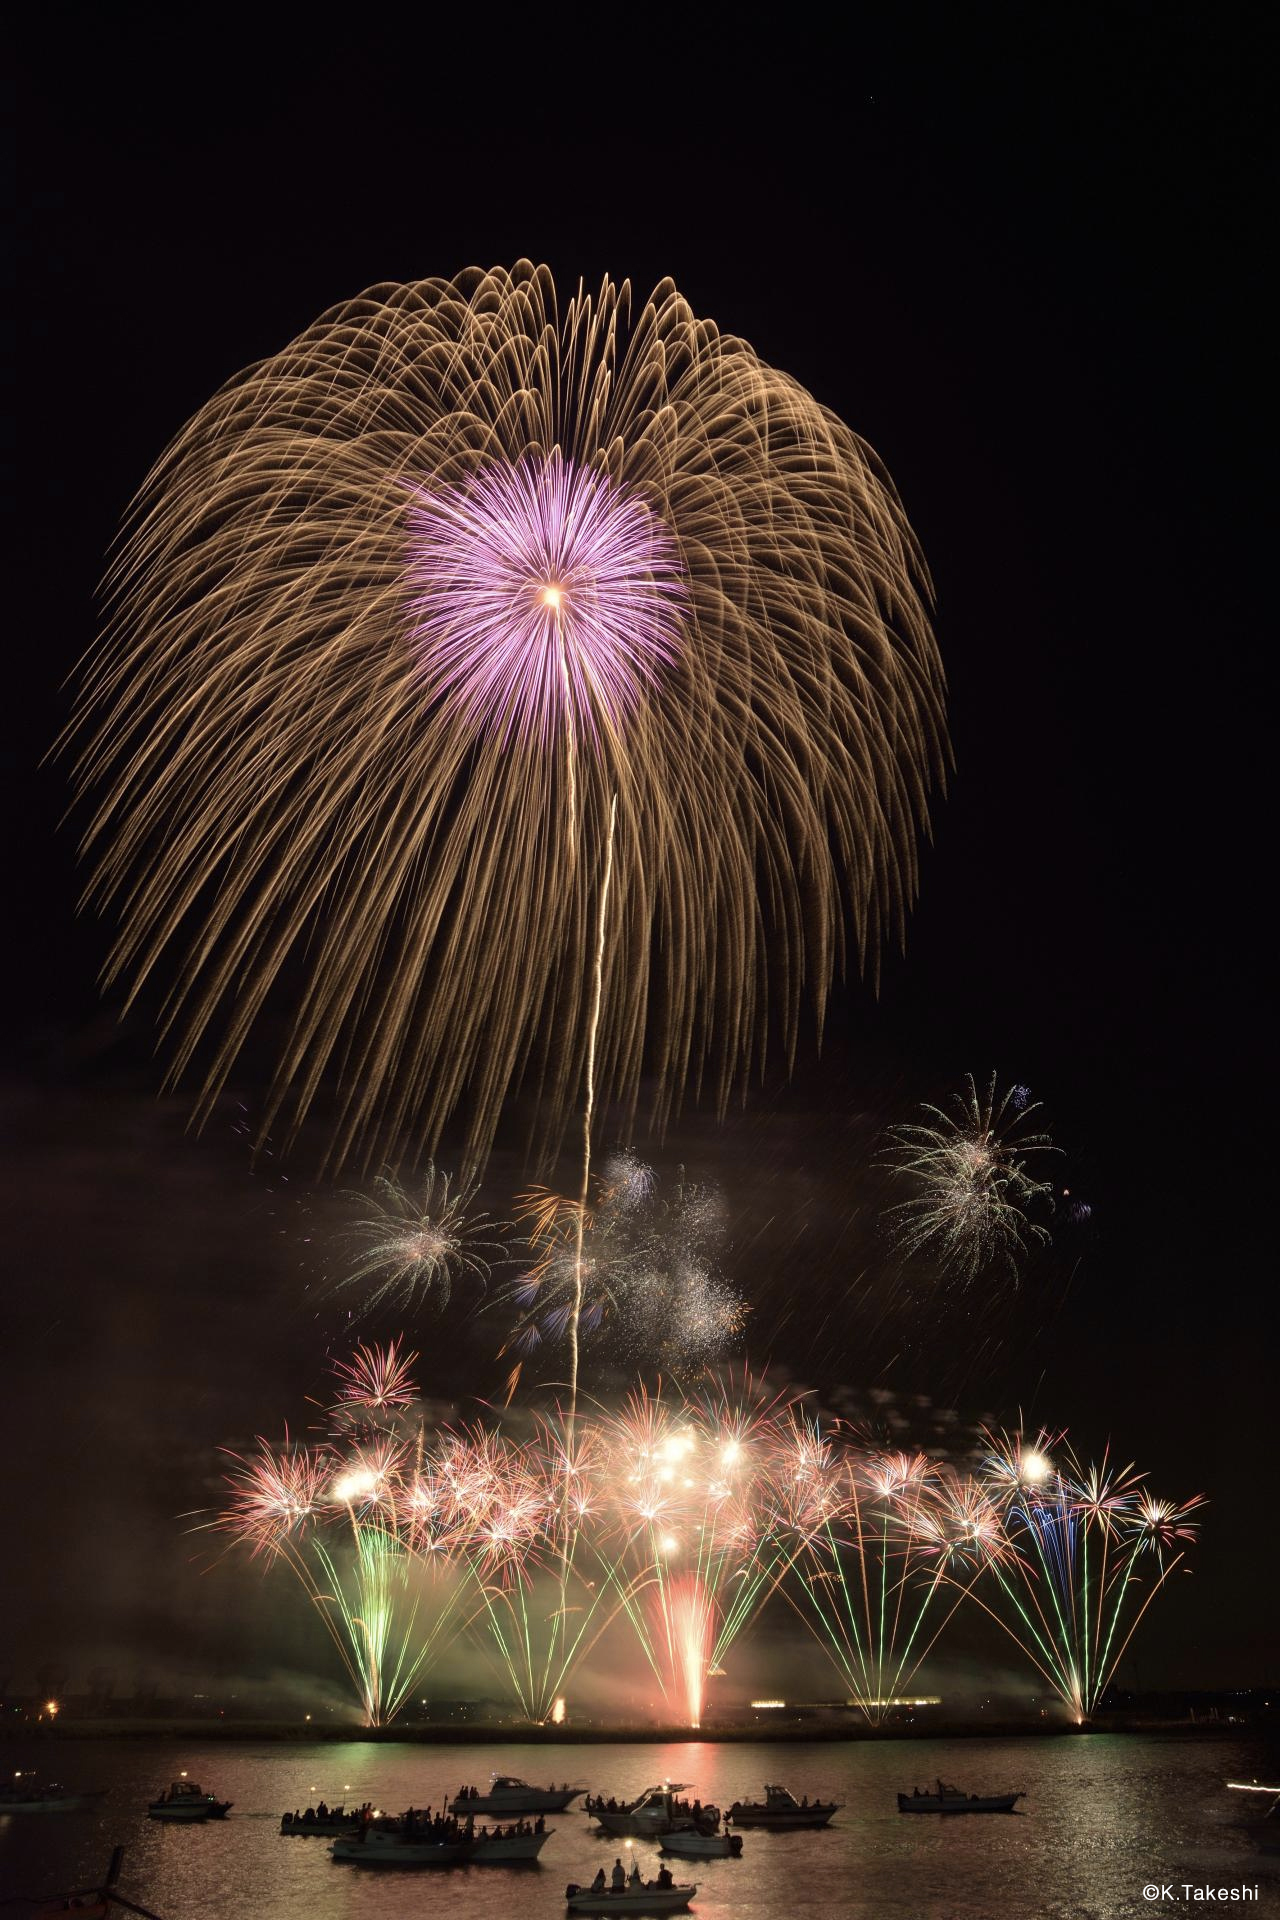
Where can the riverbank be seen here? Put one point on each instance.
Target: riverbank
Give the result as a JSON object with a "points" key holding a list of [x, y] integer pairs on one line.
{"points": [[487, 1734]]}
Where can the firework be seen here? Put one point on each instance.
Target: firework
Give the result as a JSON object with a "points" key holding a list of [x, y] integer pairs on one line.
{"points": [[1089, 1548], [639, 1265], [971, 1187], [538, 687], [375, 1380], [359, 1523], [687, 1515], [416, 1242], [691, 1493], [879, 1539], [547, 1581]]}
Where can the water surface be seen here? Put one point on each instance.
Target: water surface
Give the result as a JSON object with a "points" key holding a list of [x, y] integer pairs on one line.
{"points": [[1104, 1816]]}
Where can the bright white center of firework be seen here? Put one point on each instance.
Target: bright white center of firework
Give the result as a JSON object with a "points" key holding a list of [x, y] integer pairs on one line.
{"points": [[357, 1485], [730, 1453], [1035, 1467], [668, 1543], [552, 596]]}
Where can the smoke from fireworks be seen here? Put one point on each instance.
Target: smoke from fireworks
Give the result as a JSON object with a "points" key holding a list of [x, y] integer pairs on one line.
{"points": [[645, 1262], [970, 1184], [468, 635]]}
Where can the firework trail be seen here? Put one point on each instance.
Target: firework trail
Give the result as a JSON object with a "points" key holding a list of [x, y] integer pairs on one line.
{"points": [[361, 1526], [1089, 1550], [968, 1209], [546, 688], [417, 1241], [878, 1538], [688, 1515], [547, 1581]]}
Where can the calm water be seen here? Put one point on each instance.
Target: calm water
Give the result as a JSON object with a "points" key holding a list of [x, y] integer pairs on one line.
{"points": [[1104, 1816]]}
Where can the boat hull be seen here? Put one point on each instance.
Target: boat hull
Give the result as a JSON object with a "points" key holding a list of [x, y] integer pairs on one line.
{"points": [[703, 1846], [516, 1851], [322, 1829], [646, 1900], [759, 1817], [371, 1852], [958, 1803]]}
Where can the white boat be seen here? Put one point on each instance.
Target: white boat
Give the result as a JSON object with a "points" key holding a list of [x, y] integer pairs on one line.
{"points": [[507, 1795], [953, 1800], [695, 1845], [184, 1800], [641, 1899], [781, 1809], [507, 1849], [383, 1847], [653, 1813]]}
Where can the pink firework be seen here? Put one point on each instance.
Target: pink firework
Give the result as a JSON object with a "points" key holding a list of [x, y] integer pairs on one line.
{"points": [[273, 1496], [374, 1380], [544, 598]]}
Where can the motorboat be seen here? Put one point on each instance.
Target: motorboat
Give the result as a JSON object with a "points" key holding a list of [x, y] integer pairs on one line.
{"points": [[389, 1847], [779, 1808], [333, 1822], [653, 1813], [509, 1796], [628, 1899], [24, 1794], [184, 1800], [507, 1849], [696, 1844], [954, 1800]]}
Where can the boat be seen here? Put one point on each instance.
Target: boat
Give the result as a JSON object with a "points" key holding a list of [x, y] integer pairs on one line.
{"points": [[184, 1800], [23, 1794], [954, 1800], [779, 1808], [333, 1822], [506, 1849], [652, 1813], [387, 1847], [628, 1899], [507, 1795], [695, 1844]]}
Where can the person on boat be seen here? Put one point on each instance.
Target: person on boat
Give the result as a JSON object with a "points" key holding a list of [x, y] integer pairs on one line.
{"points": [[597, 1885], [618, 1876], [665, 1877], [633, 1878], [540, 1824]]}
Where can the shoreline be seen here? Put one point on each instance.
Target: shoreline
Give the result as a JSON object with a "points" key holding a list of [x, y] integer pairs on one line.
{"points": [[291, 1733]]}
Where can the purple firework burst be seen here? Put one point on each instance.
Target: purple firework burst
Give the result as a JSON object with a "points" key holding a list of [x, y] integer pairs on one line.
{"points": [[544, 596]]}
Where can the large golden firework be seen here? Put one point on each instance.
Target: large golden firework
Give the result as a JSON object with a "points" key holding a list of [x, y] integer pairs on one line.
{"points": [[548, 691]]}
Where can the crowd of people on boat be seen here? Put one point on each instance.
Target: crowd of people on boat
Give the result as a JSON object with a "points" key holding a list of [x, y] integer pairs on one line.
{"points": [[694, 1809], [323, 1815], [632, 1881]]}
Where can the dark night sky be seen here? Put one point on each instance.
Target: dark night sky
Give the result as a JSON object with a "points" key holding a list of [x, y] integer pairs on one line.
{"points": [[1023, 259]]}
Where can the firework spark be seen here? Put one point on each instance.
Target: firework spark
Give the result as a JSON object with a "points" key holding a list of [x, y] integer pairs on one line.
{"points": [[971, 1186], [462, 616], [375, 1380], [1070, 1588], [419, 1241]]}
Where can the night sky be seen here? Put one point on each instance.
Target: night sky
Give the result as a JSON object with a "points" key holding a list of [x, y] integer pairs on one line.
{"points": [[1022, 257]]}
